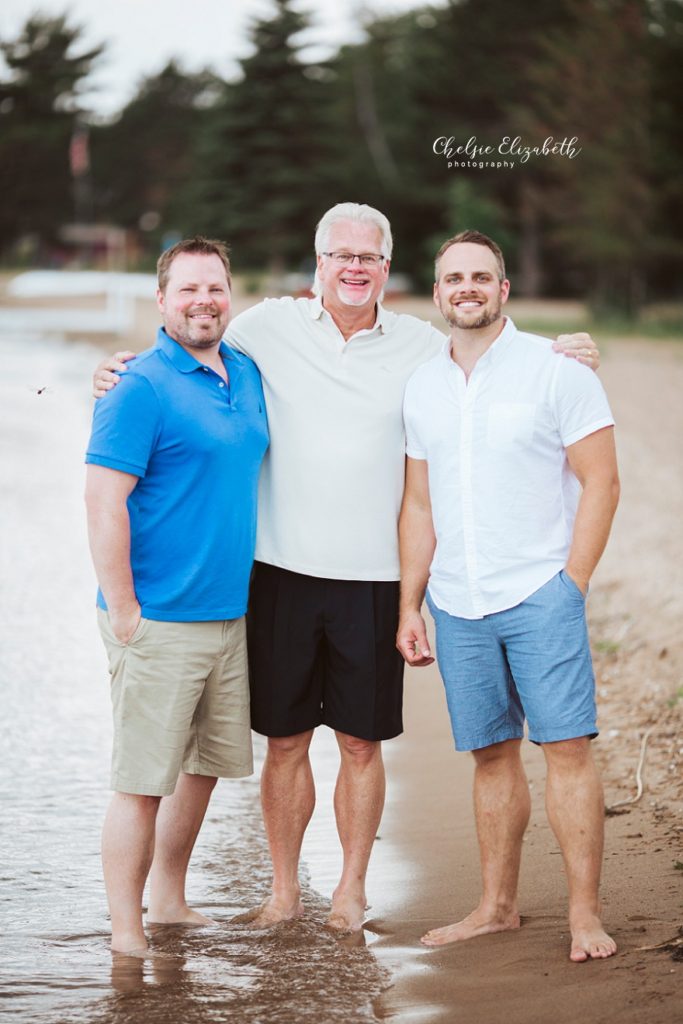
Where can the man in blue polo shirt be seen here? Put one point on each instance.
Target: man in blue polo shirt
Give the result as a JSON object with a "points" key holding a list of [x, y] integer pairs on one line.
{"points": [[173, 464]]}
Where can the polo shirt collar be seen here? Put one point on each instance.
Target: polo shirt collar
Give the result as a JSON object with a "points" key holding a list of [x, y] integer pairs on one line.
{"points": [[180, 357], [315, 307], [383, 320]]}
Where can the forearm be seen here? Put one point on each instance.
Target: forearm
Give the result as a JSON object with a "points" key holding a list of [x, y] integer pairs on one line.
{"points": [[109, 535], [591, 528], [417, 542]]}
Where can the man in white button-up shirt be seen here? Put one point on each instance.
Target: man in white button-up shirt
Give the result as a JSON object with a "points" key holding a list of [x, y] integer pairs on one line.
{"points": [[511, 486]]}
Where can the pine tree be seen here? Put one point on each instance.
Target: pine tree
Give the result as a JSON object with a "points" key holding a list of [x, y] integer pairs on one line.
{"points": [[145, 162], [265, 160], [39, 105], [594, 83], [665, 53]]}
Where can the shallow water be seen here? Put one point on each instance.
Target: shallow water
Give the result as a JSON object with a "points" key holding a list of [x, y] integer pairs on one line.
{"points": [[55, 733]]}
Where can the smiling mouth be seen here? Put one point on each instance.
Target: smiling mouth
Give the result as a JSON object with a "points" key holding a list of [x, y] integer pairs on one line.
{"points": [[355, 282]]}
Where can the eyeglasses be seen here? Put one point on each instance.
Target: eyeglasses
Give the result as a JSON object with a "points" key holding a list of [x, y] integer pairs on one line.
{"points": [[366, 259]]}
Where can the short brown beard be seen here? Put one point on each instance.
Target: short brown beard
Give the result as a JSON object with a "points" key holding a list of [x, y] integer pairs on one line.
{"points": [[451, 317], [204, 344]]}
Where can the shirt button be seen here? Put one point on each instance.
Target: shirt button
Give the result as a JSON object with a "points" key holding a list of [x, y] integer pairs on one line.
{"points": [[221, 385]]}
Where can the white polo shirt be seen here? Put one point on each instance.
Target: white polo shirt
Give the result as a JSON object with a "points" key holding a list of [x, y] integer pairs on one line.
{"points": [[503, 495], [332, 480]]}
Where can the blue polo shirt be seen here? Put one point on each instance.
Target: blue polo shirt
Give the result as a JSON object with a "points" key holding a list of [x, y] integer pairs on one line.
{"points": [[196, 443]]}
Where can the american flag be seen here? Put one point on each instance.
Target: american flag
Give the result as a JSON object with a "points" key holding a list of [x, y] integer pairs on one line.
{"points": [[79, 154]]}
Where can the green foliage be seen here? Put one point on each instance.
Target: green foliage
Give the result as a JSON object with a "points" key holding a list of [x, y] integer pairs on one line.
{"points": [[266, 154], [678, 696], [144, 163], [39, 102], [606, 647], [598, 206], [460, 71], [467, 207], [44, 73], [665, 58]]}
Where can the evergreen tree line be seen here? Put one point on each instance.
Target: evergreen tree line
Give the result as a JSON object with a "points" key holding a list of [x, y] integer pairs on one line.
{"points": [[258, 159]]}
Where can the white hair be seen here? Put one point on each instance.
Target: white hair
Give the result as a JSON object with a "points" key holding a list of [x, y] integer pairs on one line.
{"points": [[361, 214]]}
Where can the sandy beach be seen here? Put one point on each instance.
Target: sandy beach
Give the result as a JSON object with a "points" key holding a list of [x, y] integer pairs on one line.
{"points": [[424, 871]]}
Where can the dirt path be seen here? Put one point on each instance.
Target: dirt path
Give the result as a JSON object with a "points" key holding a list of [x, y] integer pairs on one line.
{"points": [[427, 860]]}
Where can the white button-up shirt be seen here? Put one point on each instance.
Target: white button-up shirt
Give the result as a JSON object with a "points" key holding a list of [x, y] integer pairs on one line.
{"points": [[332, 480], [502, 492]]}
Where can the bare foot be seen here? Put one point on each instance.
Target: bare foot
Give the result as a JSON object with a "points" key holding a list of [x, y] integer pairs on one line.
{"points": [[590, 941], [183, 915], [273, 911], [139, 953], [351, 940], [130, 943], [479, 922], [347, 913]]}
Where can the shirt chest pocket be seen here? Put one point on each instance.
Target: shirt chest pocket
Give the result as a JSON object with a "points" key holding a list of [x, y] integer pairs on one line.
{"points": [[511, 425]]}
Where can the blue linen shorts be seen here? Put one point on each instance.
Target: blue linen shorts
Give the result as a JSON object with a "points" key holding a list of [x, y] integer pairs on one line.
{"points": [[532, 661]]}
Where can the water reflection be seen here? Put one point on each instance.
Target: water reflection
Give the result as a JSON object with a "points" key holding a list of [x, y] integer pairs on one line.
{"points": [[55, 734]]}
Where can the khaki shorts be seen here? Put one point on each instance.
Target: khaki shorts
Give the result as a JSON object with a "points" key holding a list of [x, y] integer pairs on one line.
{"points": [[180, 696]]}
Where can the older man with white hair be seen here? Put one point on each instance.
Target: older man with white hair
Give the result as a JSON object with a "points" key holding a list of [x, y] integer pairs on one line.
{"points": [[323, 607]]}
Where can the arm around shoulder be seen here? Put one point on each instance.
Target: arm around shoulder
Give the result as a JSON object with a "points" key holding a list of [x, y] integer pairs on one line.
{"points": [[579, 346], [106, 375]]}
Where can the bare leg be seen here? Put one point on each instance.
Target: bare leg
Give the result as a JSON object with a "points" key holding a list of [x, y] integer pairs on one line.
{"points": [[575, 806], [178, 823], [358, 804], [287, 799], [502, 806], [127, 849]]}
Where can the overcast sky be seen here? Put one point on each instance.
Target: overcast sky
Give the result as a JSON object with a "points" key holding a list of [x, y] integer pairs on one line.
{"points": [[143, 34]]}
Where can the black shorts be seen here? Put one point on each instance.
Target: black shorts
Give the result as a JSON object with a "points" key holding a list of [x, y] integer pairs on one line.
{"points": [[322, 652]]}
